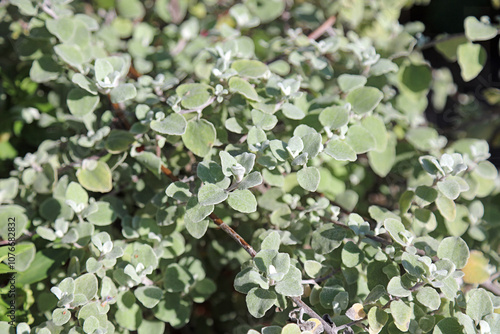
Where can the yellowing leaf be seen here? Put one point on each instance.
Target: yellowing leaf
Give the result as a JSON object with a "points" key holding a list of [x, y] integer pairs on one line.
{"points": [[475, 269]]}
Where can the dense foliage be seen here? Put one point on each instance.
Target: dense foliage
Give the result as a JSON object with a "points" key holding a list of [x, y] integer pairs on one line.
{"points": [[210, 166]]}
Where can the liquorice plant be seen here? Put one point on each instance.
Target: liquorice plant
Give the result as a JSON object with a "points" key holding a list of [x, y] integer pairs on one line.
{"points": [[164, 129]]}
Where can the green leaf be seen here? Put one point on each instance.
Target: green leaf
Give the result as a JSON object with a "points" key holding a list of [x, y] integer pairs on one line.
{"points": [[448, 47], [364, 99], [292, 112], [199, 137], [249, 278], [81, 103], [327, 238], [448, 326], [95, 176], [308, 178], [429, 297], [402, 314], [194, 95], [210, 194], [46, 260], [471, 58], [340, 150], [291, 284], [173, 124], [119, 141], [60, 316], [249, 68], [70, 53], [149, 296], [150, 160], [77, 194], [177, 278], [202, 290], [198, 229], [173, 309], [179, 191], [242, 201], [259, 301], [382, 162], [446, 207], [251, 180], [44, 69], [396, 288], [195, 212], [348, 82], [415, 79], [123, 92], [271, 241], [455, 249], [377, 319], [476, 30], [450, 188], [334, 117], [84, 83], [266, 11], [395, 228], [147, 327], [425, 195], [291, 329], [312, 268], [375, 125], [86, 285], [360, 139], [351, 255], [240, 86], [478, 304]]}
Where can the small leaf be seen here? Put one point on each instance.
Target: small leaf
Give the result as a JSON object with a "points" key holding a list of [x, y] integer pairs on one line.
{"points": [[334, 117], [123, 92], [291, 285], [95, 176], [81, 103], [450, 188], [395, 288], [292, 112], [259, 301], [479, 304], [446, 207], [364, 99], [194, 95], [476, 30], [242, 201], [119, 141], [402, 314], [86, 285], [199, 137], [448, 326], [149, 296], [360, 139], [60, 316], [351, 255], [455, 249], [196, 212], [240, 86], [476, 269], [308, 178], [348, 82], [471, 58], [210, 194], [356, 312], [429, 297], [177, 278], [340, 150], [197, 230], [179, 191], [395, 227], [173, 124], [375, 125], [249, 278], [377, 319], [327, 238], [249, 68]]}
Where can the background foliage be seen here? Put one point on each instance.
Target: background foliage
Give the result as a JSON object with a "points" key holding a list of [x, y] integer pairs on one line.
{"points": [[138, 138]]}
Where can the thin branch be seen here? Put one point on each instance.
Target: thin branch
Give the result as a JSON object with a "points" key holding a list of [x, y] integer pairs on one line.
{"points": [[489, 285], [48, 10], [310, 312], [322, 28]]}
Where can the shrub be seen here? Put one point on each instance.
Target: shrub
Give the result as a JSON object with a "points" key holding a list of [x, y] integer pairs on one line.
{"points": [[164, 129]]}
